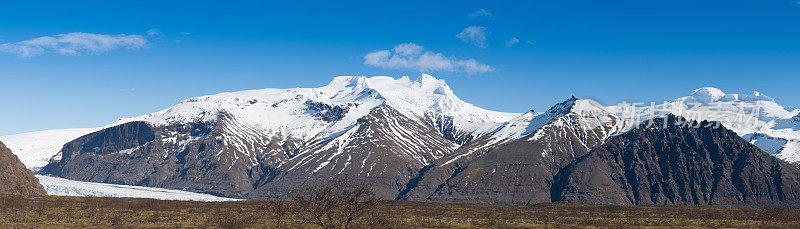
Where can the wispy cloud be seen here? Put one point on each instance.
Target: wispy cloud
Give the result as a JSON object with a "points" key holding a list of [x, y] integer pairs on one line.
{"points": [[154, 33], [512, 42], [475, 35], [413, 56], [76, 43], [481, 13]]}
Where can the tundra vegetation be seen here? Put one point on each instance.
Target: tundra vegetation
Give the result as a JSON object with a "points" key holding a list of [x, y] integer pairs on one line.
{"points": [[82, 212]]}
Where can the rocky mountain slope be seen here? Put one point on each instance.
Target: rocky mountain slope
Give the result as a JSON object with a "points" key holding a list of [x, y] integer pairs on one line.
{"points": [[516, 165], [269, 142], [674, 161], [15, 179]]}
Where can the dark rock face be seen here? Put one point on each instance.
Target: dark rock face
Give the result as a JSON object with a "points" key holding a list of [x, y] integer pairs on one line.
{"points": [[101, 145], [672, 161], [196, 157], [15, 179]]}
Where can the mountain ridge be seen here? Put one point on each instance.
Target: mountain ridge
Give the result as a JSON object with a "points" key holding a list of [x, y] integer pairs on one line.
{"points": [[414, 140]]}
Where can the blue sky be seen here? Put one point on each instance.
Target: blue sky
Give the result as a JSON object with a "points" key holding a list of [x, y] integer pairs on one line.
{"points": [[607, 51]]}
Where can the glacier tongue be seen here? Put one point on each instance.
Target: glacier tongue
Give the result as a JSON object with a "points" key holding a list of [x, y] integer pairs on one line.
{"points": [[64, 187]]}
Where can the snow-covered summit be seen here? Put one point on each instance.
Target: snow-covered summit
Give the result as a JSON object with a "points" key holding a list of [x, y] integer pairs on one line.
{"points": [[742, 113], [587, 112], [302, 112], [756, 117], [425, 94], [707, 95]]}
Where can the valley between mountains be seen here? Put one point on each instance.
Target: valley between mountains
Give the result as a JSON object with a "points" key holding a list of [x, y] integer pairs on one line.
{"points": [[416, 140]]}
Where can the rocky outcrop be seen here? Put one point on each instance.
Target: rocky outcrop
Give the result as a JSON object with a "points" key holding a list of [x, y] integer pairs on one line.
{"points": [[674, 161], [15, 179]]}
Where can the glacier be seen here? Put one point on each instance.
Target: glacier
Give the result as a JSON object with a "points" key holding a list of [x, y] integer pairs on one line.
{"points": [[63, 187]]}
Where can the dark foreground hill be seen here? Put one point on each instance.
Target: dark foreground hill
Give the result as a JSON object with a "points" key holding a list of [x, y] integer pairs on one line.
{"points": [[15, 179], [674, 161]]}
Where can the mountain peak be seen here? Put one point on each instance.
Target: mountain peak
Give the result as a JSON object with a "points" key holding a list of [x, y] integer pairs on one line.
{"points": [[707, 95], [576, 105], [348, 81], [528, 123]]}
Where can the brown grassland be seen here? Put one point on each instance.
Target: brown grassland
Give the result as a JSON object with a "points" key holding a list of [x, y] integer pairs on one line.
{"points": [[84, 212]]}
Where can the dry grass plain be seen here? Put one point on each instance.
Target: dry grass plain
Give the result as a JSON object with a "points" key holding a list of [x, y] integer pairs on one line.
{"points": [[81, 212]]}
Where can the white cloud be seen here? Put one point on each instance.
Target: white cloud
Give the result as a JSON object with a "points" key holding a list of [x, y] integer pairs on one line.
{"points": [[155, 33], [475, 35], [73, 44], [512, 42], [413, 56], [186, 33], [481, 13]]}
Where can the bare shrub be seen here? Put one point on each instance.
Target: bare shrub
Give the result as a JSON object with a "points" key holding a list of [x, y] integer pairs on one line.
{"points": [[277, 211], [337, 203]]}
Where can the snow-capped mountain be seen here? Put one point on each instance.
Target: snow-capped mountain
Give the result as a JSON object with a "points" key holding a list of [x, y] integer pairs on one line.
{"points": [[412, 140], [756, 117], [36, 149], [319, 113], [780, 137], [517, 163], [257, 138], [575, 113]]}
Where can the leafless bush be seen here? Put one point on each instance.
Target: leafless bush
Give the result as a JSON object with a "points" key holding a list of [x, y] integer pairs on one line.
{"points": [[277, 211], [337, 203]]}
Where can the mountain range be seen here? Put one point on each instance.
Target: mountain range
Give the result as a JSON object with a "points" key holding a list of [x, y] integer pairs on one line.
{"points": [[416, 140]]}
